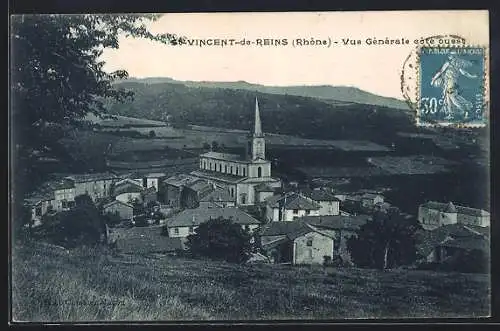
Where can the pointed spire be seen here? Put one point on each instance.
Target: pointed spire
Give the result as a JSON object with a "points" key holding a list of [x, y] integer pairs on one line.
{"points": [[257, 128]]}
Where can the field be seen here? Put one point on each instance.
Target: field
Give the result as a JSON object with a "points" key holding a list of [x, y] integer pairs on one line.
{"points": [[52, 284]]}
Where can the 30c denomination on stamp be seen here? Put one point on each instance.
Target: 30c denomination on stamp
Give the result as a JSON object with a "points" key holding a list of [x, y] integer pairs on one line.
{"points": [[451, 87]]}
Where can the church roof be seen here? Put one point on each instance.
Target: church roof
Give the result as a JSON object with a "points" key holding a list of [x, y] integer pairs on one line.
{"points": [[230, 157], [223, 156], [218, 176]]}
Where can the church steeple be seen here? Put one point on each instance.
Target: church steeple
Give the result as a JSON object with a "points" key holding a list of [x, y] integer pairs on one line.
{"points": [[257, 130], [256, 143]]}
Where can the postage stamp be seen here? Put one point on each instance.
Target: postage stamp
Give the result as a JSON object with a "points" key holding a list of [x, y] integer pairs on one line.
{"points": [[451, 86]]}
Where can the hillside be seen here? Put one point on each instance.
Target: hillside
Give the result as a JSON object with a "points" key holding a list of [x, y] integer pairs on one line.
{"points": [[332, 93], [285, 114], [52, 284]]}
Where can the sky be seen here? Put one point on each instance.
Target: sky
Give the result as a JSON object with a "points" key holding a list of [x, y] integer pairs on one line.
{"points": [[373, 68]]}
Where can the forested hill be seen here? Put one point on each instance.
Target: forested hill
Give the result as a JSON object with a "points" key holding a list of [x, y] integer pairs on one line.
{"points": [[286, 114], [326, 92]]}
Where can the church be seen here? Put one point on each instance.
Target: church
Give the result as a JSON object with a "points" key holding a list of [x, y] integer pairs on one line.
{"points": [[247, 177]]}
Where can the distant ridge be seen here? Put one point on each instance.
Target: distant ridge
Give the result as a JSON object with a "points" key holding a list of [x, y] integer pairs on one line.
{"points": [[325, 92]]}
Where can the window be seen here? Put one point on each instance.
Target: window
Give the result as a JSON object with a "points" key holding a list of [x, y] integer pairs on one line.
{"points": [[64, 204], [243, 199], [231, 169], [204, 164], [191, 229], [247, 228], [309, 242], [220, 167], [176, 230], [244, 172], [225, 168], [237, 172], [308, 212], [259, 172], [295, 211], [232, 192]]}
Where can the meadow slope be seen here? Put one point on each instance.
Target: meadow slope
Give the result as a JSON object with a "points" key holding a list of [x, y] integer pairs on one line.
{"points": [[52, 284]]}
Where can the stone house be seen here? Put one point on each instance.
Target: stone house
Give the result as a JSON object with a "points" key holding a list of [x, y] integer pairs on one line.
{"points": [[263, 191], [295, 243], [369, 200], [97, 185], [438, 244], [186, 222], [153, 179], [434, 214], [216, 197], [289, 207], [174, 191], [122, 209], [329, 203], [339, 227]]}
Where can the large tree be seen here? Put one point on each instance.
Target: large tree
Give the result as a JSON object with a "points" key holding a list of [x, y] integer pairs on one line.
{"points": [[220, 239], [57, 78], [388, 241]]}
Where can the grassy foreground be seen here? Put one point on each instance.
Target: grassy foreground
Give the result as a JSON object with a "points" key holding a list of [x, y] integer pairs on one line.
{"points": [[52, 284]]}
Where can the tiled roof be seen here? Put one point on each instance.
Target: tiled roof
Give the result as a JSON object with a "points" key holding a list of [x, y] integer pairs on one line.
{"points": [[201, 186], [197, 216], [127, 187], [451, 208], [370, 196], [320, 195], [338, 222], [114, 202], [428, 239], [181, 180], [282, 228], [293, 200], [217, 194], [468, 243], [82, 178]]}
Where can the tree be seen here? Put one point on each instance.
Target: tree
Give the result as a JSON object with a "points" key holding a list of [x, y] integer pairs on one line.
{"points": [[220, 239], [152, 134], [215, 146], [388, 241], [57, 78], [82, 225]]}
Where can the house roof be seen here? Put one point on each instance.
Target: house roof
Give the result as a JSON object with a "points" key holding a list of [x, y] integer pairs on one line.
{"points": [[128, 187], [451, 208], [190, 217], [46, 191], [337, 222], [114, 202], [180, 180], [468, 243], [429, 239], [281, 228], [217, 176], [292, 200], [320, 195], [82, 178], [155, 175], [201, 186], [370, 196], [216, 194]]}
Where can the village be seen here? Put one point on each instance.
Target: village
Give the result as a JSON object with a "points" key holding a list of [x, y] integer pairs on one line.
{"points": [[291, 223]]}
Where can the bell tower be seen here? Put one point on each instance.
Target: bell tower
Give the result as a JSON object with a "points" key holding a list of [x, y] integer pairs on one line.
{"points": [[257, 143]]}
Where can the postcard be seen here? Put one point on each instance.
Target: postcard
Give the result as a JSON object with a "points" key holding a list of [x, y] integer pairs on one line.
{"points": [[253, 166]]}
